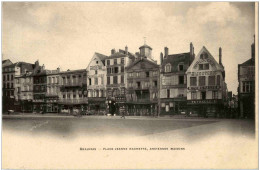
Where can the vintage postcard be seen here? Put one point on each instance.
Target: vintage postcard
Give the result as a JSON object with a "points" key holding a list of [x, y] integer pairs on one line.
{"points": [[130, 85]]}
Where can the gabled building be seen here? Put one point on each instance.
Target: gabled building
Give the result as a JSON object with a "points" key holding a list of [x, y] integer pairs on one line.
{"points": [[24, 88], [6, 63], [96, 81], [205, 85], [173, 91], [246, 86], [143, 82], [116, 78]]}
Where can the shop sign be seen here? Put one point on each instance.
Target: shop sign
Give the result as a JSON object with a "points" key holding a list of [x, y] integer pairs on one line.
{"points": [[204, 73], [204, 88], [202, 101]]}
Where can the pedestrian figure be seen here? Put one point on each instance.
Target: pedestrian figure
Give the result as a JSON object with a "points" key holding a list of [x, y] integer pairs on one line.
{"points": [[123, 112]]}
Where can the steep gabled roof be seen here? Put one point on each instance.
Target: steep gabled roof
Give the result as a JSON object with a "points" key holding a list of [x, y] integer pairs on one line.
{"points": [[101, 56], [175, 59], [197, 58]]}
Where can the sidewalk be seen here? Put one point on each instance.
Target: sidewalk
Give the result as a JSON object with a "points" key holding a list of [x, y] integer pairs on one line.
{"points": [[56, 115]]}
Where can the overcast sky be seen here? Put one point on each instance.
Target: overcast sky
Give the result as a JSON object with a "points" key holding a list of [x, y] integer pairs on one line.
{"points": [[67, 34]]}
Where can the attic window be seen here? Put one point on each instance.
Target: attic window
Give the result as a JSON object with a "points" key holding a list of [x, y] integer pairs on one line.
{"points": [[96, 62], [168, 67], [204, 56], [181, 67]]}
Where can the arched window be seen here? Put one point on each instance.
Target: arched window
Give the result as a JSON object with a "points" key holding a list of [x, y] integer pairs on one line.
{"points": [[168, 67]]}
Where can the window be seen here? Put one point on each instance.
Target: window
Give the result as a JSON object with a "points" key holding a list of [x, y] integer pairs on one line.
{"points": [[138, 84], [155, 73], [168, 68], [154, 95], [193, 95], [64, 96], [68, 96], [7, 77], [96, 62], [130, 74], [168, 93], [247, 86], [193, 81], [122, 69], [108, 62], [181, 79], [96, 81], [89, 80], [147, 74], [12, 85], [108, 70], [122, 79], [122, 60], [218, 80], [138, 74], [115, 80], [53, 79], [96, 72], [64, 80], [115, 61], [202, 80], [108, 80], [181, 67], [49, 79], [214, 94], [74, 96], [116, 70], [102, 80], [203, 95], [57, 79], [211, 80], [12, 77], [200, 66], [204, 66], [155, 83], [204, 56]]}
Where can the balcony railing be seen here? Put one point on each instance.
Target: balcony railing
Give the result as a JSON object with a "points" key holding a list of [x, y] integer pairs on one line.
{"points": [[73, 84], [73, 101]]}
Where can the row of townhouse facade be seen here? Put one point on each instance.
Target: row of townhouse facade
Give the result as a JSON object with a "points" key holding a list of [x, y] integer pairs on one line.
{"points": [[181, 83]]}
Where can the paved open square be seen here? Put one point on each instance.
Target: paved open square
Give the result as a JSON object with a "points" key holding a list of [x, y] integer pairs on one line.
{"points": [[67, 126]]}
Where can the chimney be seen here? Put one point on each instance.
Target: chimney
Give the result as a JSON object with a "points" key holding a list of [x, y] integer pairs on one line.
{"points": [[126, 50], [58, 69], [253, 49], [161, 57], [191, 49], [43, 67], [113, 51], [220, 55], [166, 50]]}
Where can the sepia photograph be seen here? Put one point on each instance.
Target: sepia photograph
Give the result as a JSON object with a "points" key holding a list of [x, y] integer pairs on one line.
{"points": [[130, 85]]}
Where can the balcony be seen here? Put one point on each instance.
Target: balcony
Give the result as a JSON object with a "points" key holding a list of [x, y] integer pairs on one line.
{"points": [[75, 84], [73, 101]]}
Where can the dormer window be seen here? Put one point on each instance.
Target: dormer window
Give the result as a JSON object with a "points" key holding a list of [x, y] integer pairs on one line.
{"points": [[181, 68], [168, 68]]}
